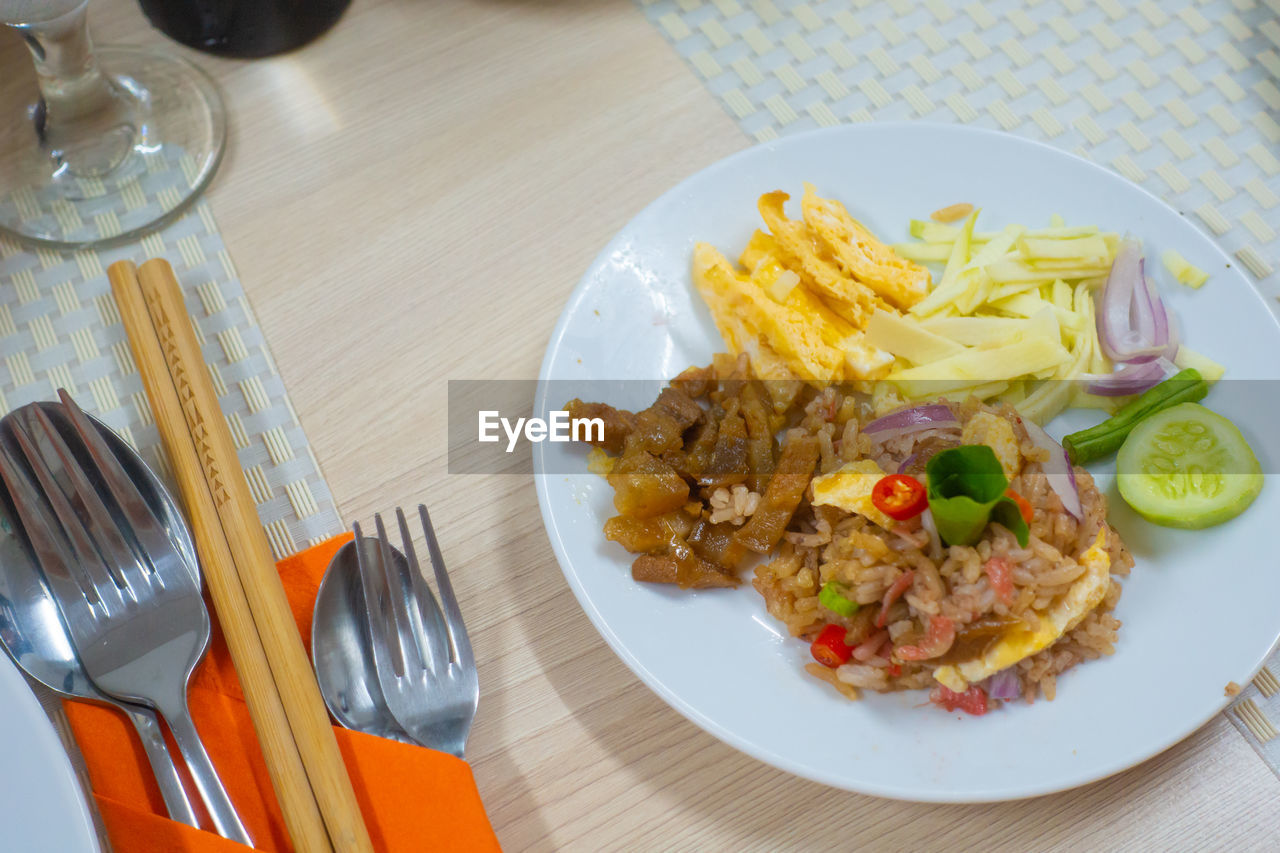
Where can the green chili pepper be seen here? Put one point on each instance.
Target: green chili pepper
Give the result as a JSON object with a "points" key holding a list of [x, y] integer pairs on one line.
{"points": [[1105, 438], [966, 492]]}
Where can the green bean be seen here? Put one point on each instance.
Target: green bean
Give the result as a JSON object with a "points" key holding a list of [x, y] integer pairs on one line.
{"points": [[1187, 386]]}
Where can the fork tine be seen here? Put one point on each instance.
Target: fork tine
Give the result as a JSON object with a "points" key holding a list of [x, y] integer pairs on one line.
{"points": [[453, 616], [431, 629], [93, 515], [46, 536], [142, 522], [56, 500], [406, 638], [372, 581]]}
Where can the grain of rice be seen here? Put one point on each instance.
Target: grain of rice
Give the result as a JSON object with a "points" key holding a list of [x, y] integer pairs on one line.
{"points": [[734, 505], [862, 675], [819, 671]]}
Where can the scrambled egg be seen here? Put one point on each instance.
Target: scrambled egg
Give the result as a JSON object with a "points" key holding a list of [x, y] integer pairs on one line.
{"points": [[800, 304], [783, 341], [1060, 617], [900, 282], [997, 433], [850, 488]]}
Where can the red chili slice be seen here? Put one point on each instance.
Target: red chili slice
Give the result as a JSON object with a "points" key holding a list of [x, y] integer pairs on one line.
{"points": [[899, 496], [830, 649]]}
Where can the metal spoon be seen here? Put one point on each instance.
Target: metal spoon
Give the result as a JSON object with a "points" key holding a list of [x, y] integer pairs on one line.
{"points": [[32, 631], [340, 649]]}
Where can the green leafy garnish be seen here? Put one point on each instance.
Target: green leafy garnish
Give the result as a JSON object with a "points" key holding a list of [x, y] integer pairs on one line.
{"points": [[832, 597], [967, 491]]}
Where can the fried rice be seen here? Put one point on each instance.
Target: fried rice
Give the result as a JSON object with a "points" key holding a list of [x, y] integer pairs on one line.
{"points": [[826, 543]]}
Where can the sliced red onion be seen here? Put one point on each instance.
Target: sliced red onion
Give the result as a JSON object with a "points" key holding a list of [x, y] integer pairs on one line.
{"points": [[1144, 317], [1003, 685], [908, 421], [1159, 315], [1116, 297], [1057, 468], [1132, 321], [1133, 378], [906, 463], [935, 541]]}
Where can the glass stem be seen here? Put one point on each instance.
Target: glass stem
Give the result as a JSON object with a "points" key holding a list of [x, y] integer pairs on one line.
{"points": [[83, 120]]}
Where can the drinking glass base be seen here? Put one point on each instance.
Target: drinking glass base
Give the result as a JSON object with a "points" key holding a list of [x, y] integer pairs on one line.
{"points": [[179, 136]]}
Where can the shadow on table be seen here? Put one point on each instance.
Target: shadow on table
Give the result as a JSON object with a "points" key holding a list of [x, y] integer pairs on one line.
{"points": [[510, 801]]}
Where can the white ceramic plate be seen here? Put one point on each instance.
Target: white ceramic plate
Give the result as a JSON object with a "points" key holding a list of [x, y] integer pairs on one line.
{"points": [[41, 806], [1201, 609]]}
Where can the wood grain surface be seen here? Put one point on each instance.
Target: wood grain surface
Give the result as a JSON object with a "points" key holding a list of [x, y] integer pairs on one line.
{"points": [[411, 200]]}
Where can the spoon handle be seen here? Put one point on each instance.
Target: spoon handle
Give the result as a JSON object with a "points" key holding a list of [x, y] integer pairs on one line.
{"points": [[175, 797], [205, 775]]}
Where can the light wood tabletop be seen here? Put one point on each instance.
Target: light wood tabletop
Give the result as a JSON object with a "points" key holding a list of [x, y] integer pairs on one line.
{"points": [[411, 200]]}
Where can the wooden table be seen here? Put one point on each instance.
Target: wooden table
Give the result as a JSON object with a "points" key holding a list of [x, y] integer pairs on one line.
{"points": [[411, 200]]}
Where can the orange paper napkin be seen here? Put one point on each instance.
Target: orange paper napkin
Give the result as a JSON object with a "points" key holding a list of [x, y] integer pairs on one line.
{"points": [[413, 798]]}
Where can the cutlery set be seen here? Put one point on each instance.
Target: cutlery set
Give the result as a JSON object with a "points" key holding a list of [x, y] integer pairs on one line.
{"points": [[100, 599], [34, 632], [126, 586], [391, 660]]}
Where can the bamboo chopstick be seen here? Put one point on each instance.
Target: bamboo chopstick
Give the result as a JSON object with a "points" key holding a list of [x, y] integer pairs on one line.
{"points": [[237, 516], [284, 764], [290, 668]]}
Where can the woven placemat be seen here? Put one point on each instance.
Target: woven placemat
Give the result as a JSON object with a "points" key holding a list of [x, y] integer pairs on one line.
{"points": [[1180, 97], [59, 328]]}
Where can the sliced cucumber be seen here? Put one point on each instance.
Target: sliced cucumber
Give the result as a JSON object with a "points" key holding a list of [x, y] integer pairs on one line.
{"points": [[1189, 467]]}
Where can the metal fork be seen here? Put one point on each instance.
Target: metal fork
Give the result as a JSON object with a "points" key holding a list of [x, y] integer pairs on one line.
{"points": [[422, 654], [36, 637], [133, 609]]}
